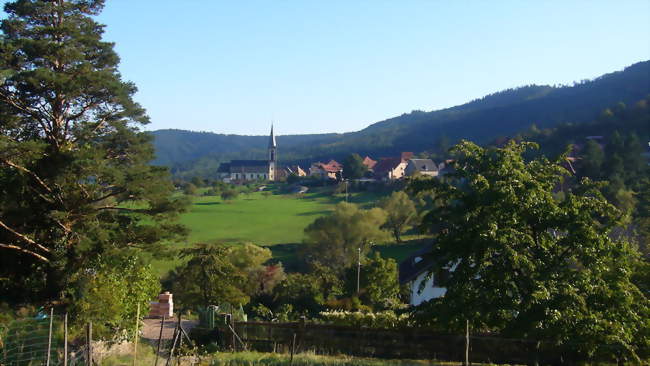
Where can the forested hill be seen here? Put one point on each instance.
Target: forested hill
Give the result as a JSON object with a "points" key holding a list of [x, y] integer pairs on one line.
{"points": [[482, 120]]}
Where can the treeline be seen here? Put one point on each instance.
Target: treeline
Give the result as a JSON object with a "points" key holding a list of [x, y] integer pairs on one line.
{"points": [[504, 113]]}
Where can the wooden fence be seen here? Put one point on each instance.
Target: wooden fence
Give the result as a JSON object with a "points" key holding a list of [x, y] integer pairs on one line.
{"points": [[412, 343]]}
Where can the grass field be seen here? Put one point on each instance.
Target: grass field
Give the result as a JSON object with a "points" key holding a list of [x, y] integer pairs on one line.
{"points": [[276, 220]]}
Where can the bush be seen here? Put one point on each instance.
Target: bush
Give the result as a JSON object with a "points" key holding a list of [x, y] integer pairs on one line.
{"points": [[382, 319]]}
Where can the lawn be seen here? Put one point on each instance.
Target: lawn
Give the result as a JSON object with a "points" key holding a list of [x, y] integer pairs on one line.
{"points": [[273, 220]]}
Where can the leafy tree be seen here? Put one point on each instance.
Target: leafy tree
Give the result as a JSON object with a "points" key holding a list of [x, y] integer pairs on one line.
{"points": [[335, 239], [400, 213], [260, 278], [208, 277], [109, 291], [592, 160], [353, 167], [189, 189], [308, 293], [229, 194], [198, 181], [72, 157], [378, 280], [528, 265]]}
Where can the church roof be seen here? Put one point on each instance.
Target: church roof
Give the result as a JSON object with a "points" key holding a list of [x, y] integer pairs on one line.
{"points": [[272, 142], [249, 166]]}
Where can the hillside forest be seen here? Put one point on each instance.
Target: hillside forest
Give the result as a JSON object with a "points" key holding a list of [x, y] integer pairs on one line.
{"points": [[538, 230]]}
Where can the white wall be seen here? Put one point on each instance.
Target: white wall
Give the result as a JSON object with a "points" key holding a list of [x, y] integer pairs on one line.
{"points": [[428, 292]]}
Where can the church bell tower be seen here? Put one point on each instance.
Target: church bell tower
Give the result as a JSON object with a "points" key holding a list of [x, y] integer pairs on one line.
{"points": [[272, 155]]}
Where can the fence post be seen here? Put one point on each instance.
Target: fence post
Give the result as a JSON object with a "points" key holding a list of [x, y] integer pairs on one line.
{"points": [[232, 330], [89, 340], [162, 325], [466, 343], [65, 339], [49, 337], [135, 335], [301, 332], [293, 349]]}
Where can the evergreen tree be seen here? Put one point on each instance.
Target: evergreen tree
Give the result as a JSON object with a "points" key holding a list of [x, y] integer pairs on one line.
{"points": [[72, 157], [592, 160], [353, 167]]}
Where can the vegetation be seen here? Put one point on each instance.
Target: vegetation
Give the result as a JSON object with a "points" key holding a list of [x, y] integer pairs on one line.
{"points": [[528, 264], [353, 167], [505, 113], [72, 163], [401, 213], [307, 359], [338, 239]]}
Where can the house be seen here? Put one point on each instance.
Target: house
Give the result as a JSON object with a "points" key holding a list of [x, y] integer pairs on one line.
{"points": [[330, 170], [421, 166], [247, 170], [369, 163], [423, 274], [392, 168], [284, 172]]}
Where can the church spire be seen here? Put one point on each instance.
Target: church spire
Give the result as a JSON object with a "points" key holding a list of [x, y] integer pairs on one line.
{"points": [[272, 143]]}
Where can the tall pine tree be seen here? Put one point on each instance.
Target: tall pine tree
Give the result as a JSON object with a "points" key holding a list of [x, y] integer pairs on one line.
{"points": [[75, 184]]}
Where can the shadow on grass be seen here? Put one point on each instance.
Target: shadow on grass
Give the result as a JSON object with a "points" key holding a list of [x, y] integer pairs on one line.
{"points": [[207, 203]]}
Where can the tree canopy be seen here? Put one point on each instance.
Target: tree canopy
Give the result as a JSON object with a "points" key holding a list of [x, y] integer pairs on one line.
{"points": [[353, 167], [401, 213], [75, 182], [527, 264], [335, 239]]}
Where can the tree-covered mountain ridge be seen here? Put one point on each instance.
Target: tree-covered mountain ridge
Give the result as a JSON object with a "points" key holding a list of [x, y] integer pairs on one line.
{"points": [[482, 120]]}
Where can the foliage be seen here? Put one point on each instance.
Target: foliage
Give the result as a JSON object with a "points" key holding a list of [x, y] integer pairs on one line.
{"points": [[379, 282], [308, 293], [75, 179], [503, 113], [207, 278], [400, 213], [306, 359], [353, 167], [189, 189], [108, 293], [335, 239], [260, 278], [380, 319], [229, 194], [526, 264]]}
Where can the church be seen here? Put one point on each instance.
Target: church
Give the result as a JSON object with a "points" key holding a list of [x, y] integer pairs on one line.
{"points": [[249, 170]]}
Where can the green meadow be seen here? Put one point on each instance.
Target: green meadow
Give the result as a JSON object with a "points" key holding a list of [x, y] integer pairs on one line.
{"points": [[268, 219]]}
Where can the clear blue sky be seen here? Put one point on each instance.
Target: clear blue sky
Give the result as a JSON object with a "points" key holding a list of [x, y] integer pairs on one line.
{"points": [[337, 66]]}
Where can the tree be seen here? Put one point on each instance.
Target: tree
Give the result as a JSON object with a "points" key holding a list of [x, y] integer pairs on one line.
{"points": [[72, 156], [378, 282], [335, 239], [229, 194], [400, 213], [260, 278], [527, 265], [109, 295], [592, 160], [353, 167], [208, 277]]}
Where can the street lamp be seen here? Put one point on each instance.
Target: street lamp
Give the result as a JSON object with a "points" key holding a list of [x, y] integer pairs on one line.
{"points": [[358, 270]]}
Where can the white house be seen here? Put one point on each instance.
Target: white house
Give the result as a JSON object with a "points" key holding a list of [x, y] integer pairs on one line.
{"points": [[423, 274]]}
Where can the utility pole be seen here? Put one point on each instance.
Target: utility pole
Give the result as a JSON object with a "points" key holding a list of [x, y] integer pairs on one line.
{"points": [[358, 270]]}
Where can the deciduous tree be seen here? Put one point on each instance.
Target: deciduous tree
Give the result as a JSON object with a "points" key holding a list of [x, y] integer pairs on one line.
{"points": [[526, 264], [334, 240], [401, 213]]}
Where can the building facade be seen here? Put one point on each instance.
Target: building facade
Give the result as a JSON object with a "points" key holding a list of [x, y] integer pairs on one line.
{"points": [[249, 170]]}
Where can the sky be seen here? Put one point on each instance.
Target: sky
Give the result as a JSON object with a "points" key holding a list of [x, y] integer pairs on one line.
{"points": [[337, 66]]}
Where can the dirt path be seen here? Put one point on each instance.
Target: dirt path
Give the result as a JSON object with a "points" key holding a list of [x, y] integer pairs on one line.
{"points": [[151, 329]]}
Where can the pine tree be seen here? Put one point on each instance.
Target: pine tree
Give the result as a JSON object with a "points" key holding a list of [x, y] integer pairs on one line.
{"points": [[75, 184]]}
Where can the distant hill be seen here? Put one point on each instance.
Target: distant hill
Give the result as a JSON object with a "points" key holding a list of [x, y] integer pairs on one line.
{"points": [[500, 114]]}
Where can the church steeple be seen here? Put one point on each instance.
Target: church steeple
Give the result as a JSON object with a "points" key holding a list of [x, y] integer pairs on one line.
{"points": [[272, 155], [272, 143]]}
